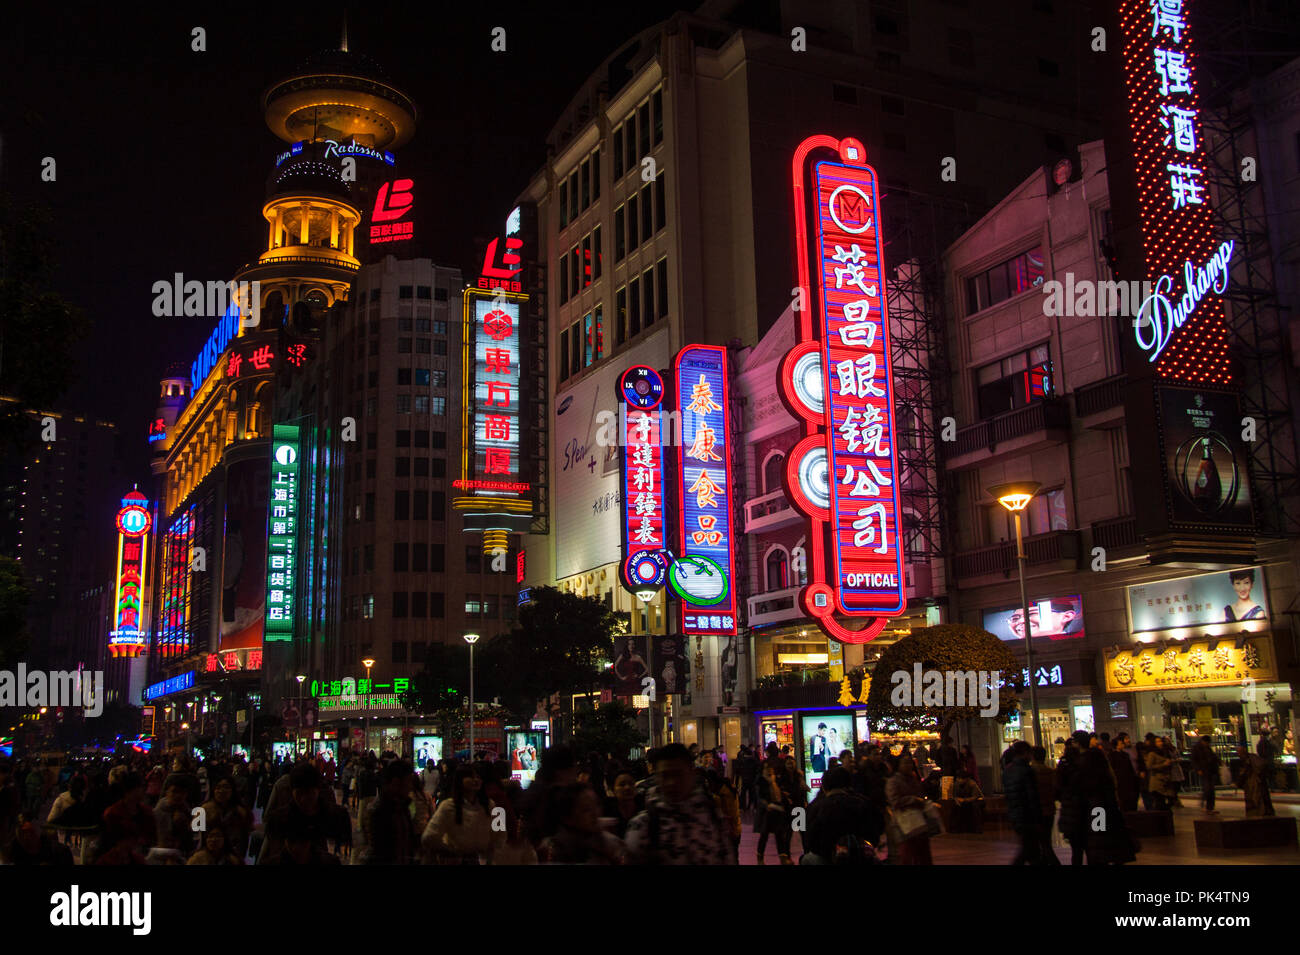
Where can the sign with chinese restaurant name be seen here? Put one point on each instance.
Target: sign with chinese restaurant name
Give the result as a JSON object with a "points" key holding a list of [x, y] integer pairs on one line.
{"points": [[282, 534], [1219, 661], [704, 576], [838, 380], [644, 564], [127, 638]]}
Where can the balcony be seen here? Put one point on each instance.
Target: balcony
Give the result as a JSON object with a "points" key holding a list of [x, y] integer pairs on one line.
{"points": [[770, 511], [1056, 551], [1101, 404], [775, 606], [1118, 534], [1035, 426], [811, 690]]}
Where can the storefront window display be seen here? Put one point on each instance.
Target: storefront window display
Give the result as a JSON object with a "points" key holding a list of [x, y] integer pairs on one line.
{"points": [[778, 730]]}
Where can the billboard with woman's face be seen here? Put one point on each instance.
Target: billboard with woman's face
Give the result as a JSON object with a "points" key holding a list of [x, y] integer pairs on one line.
{"points": [[1229, 596], [525, 748]]}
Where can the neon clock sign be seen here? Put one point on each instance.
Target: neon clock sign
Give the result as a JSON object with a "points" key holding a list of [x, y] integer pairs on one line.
{"points": [[838, 381]]}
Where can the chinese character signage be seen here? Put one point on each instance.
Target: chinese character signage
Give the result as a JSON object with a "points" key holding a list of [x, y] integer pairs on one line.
{"points": [[127, 638], [1202, 600], [167, 687], [641, 390], [838, 380], [282, 534], [391, 219], [496, 389], [1181, 327], [1217, 661], [703, 576]]}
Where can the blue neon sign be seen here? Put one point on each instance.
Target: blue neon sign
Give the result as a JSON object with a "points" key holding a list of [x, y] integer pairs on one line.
{"points": [[227, 328], [168, 687]]}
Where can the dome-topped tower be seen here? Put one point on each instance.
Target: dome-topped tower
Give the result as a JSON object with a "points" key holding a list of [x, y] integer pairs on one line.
{"points": [[341, 96]]}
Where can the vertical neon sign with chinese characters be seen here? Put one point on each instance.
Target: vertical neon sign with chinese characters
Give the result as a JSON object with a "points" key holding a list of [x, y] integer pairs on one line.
{"points": [[496, 389], [282, 534], [1181, 328], [127, 638], [641, 390], [838, 380], [393, 203], [705, 475]]}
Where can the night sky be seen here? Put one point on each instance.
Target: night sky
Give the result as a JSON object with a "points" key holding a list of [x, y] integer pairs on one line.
{"points": [[162, 153]]}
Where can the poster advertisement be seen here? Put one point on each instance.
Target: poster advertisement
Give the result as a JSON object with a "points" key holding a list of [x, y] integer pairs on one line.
{"points": [[427, 748], [329, 748], [525, 748], [243, 569], [730, 669], [670, 670], [824, 737], [1222, 597], [778, 731], [281, 751], [631, 666], [487, 740], [1205, 460], [1057, 618]]}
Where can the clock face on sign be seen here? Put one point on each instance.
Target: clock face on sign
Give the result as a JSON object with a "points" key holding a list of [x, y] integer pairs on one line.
{"points": [[698, 580]]}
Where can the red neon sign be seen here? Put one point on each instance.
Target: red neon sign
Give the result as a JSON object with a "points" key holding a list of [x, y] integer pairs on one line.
{"points": [[838, 381], [392, 203], [1185, 337]]}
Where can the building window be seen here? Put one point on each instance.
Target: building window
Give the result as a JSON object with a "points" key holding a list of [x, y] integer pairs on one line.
{"points": [[575, 348], [438, 406], [620, 245], [401, 505], [586, 183], [421, 467], [778, 570], [372, 379], [1015, 275], [419, 557], [403, 404], [368, 566], [368, 607], [422, 324], [423, 291], [773, 472], [440, 328], [564, 355], [405, 291], [643, 128], [620, 315], [421, 404], [437, 609], [596, 253], [595, 175], [618, 152], [564, 203], [400, 554], [661, 203], [629, 141], [399, 646], [573, 196], [586, 260], [399, 612], [438, 505], [439, 467], [633, 307], [403, 467], [633, 234], [473, 606], [422, 346], [404, 324], [421, 508], [402, 438], [647, 213], [419, 606], [439, 439], [440, 347], [403, 376], [421, 376], [657, 110], [440, 295], [371, 405], [473, 559], [661, 274], [1014, 381], [404, 346], [370, 507], [564, 283], [575, 282]]}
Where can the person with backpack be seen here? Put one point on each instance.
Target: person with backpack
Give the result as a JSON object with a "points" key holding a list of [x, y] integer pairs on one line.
{"points": [[681, 824], [843, 826]]}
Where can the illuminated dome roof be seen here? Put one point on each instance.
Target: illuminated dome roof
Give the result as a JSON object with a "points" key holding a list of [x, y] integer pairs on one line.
{"points": [[342, 96]]}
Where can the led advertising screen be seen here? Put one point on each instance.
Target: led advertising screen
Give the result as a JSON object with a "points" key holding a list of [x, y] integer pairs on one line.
{"points": [[496, 391], [524, 748], [426, 748], [1057, 618], [281, 751], [1226, 597], [778, 731], [824, 738], [1205, 460]]}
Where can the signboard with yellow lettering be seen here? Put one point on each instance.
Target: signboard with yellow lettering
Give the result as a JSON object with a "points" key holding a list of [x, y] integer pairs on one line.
{"points": [[1196, 663]]}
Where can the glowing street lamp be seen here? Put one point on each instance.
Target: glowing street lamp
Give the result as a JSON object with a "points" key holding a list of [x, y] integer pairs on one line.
{"points": [[298, 737], [368, 662], [1015, 497], [471, 639]]}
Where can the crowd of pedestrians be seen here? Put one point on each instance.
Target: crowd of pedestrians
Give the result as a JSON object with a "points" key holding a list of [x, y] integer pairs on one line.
{"points": [[680, 806]]}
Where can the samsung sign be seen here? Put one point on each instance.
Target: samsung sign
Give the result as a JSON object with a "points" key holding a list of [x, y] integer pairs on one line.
{"points": [[168, 687], [227, 328]]}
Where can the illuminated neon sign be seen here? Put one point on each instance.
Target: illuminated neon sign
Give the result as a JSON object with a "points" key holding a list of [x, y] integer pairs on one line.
{"points": [[127, 638], [496, 388], [705, 582], [354, 148], [227, 328], [176, 684], [157, 430], [282, 534], [1182, 330], [392, 203], [644, 564], [838, 381]]}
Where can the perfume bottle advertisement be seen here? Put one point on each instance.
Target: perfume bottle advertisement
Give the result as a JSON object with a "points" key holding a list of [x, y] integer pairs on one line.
{"points": [[1205, 458]]}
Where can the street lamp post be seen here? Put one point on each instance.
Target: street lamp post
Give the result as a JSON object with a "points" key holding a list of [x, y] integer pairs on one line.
{"points": [[647, 596], [471, 639], [368, 662], [298, 736], [1015, 497]]}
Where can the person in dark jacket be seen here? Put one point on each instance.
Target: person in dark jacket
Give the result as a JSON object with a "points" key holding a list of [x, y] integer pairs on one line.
{"points": [[1088, 789], [1126, 780], [392, 840], [837, 819], [1024, 810], [1206, 762], [305, 813]]}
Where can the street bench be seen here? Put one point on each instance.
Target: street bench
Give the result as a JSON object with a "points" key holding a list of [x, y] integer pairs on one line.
{"points": [[1150, 823], [1256, 832]]}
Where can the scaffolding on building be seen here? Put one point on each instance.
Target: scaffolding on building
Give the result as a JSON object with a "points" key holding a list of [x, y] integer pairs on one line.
{"points": [[1238, 45], [917, 228]]}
